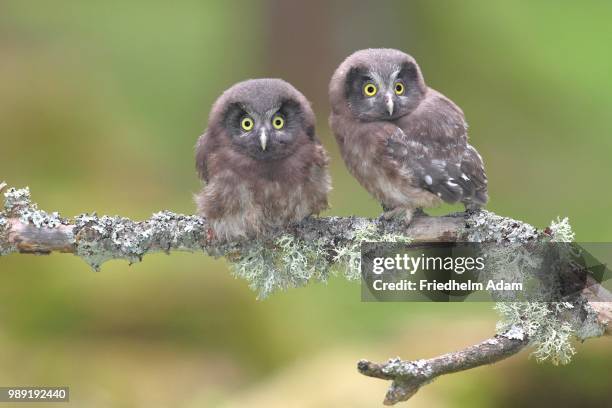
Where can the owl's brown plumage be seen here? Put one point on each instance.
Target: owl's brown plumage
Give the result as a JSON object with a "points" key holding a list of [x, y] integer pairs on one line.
{"points": [[260, 158], [404, 142]]}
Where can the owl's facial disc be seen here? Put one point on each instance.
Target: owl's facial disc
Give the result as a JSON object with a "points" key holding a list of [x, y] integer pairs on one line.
{"points": [[263, 133], [382, 93]]}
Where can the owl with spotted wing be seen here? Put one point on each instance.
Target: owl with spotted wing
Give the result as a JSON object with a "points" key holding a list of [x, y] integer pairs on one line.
{"points": [[261, 161], [406, 143]]}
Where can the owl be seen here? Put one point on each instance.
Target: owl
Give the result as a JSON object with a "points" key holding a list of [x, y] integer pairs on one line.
{"points": [[404, 142], [261, 161]]}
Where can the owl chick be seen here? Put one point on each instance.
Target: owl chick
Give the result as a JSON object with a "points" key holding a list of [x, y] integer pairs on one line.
{"points": [[261, 160], [404, 142]]}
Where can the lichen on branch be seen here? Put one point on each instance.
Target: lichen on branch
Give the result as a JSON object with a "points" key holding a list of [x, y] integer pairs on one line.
{"points": [[313, 250], [288, 261]]}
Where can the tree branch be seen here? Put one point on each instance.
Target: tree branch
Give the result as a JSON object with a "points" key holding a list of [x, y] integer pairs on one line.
{"points": [[26, 229], [409, 376]]}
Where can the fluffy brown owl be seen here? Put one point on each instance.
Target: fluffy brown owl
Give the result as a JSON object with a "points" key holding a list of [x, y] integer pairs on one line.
{"points": [[261, 160], [404, 142]]}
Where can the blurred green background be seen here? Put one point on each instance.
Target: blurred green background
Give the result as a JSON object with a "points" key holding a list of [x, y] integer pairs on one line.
{"points": [[101, 104]]}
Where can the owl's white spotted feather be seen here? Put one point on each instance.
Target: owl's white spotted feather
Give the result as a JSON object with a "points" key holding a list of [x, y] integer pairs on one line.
{"points": [[431, 142]]}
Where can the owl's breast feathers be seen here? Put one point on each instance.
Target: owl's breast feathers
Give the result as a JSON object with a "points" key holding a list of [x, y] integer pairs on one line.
{"points": [[417, 160], [245, 197]]}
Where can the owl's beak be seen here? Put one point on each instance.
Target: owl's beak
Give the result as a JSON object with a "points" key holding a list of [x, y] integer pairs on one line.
{"points": [[389, 100], [263, 139]]}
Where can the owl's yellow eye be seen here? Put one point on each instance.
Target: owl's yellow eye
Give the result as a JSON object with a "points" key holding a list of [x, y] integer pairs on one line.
{"points": [[278, 122], [247, 123], [369, 89], [399, 88]]}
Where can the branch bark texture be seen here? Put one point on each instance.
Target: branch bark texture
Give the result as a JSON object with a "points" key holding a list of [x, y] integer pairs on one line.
{"points": [[409, 376], [26, 229]]}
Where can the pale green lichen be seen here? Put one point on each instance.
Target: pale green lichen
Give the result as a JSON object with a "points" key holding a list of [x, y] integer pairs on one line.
{"points": [[15, 199], [303, 258], [349, 255], [283, 263], [514, 332], [561, 230], [5, 247], [99, 239], [485, 226], [396, 367], [549, 326], [511, 262], [289, 262], [544, 326], [17, 203]]}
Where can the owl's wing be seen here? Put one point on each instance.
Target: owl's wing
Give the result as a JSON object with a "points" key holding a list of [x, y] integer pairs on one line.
{"points": [[433, 148], [473, 167], [201, 158]]}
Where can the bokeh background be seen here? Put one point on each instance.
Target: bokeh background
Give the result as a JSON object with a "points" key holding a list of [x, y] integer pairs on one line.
{"points": [[101, 104]]}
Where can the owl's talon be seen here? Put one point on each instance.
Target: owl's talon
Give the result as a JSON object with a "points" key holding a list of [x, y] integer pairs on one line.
{"points": [[418, 212], [210, 235], [408, 216], [472, 208], [394, 214], [401, 214]]}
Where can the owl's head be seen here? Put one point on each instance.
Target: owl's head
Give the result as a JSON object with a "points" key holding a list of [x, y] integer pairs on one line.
{"points": [[378, 84], [265, 119]]}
